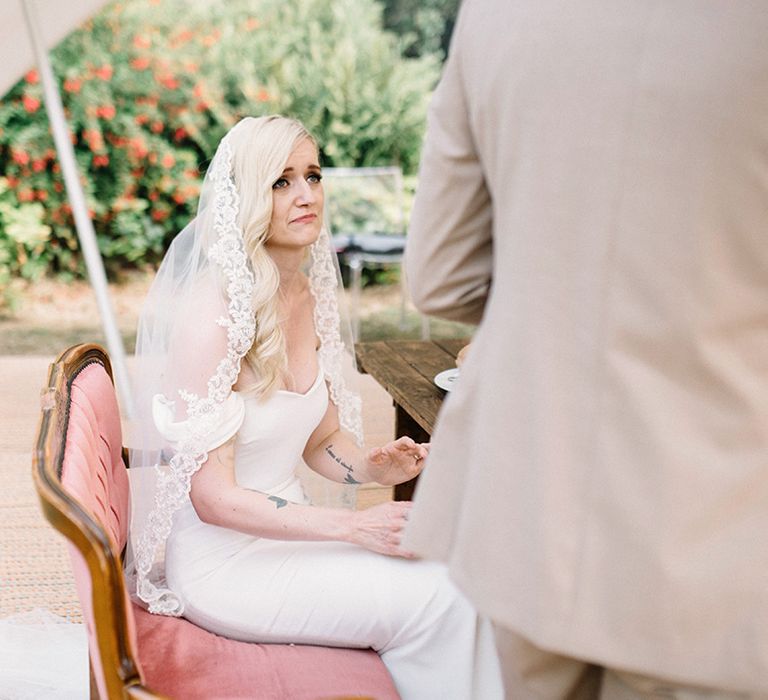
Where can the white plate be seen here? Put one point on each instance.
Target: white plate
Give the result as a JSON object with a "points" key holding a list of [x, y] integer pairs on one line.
{"points": [[446, 378]]}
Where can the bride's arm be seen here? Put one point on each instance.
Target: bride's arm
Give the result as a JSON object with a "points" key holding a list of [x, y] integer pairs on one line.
{"points": [[219, 500], [333, 453]]}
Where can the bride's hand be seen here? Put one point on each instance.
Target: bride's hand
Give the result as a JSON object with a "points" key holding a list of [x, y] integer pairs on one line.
{"points": [[380, 528], [396, 461]]}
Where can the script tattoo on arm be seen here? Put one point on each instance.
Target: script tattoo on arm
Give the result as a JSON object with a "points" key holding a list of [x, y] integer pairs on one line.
{"points": [[279, 502], [348, 479]]}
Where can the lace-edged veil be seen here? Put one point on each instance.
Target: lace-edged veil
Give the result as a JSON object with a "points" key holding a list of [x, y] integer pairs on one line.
{"points": [[196, 326]]}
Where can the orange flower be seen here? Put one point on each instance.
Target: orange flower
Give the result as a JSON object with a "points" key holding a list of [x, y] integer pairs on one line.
{"points": [[19, 156], [157, 126], [32, 77], [38, 165], [26, 196], [100, 161], [141, 42], [104, 72], [72, 85], [251, 23], [106, 112], [263, 96], [141, 63], [167, 81], [31, 104], [168, 161]]}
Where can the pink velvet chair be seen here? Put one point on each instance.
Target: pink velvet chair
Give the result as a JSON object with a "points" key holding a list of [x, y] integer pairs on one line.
{"points": [[81, 478]]}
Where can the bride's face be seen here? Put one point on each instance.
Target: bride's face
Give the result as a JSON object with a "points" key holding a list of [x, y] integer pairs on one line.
{"points": [[297, 200]]}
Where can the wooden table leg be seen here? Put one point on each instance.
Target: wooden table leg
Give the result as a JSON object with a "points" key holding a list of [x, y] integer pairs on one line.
{"points": [[405, 425]]}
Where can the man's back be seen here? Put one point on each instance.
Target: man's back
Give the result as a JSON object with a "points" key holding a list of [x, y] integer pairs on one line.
{"points": [[595, 186]]}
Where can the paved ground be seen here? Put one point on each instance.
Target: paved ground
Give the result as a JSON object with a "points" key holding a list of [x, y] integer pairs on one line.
{"points": [[34, 565]]}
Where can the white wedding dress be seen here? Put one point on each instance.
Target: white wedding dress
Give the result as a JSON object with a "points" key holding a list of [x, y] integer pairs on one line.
{"points": [[328, 593]]}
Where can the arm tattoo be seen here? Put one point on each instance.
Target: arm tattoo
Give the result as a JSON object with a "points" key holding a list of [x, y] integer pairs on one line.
{"points": [[348, 479], [279, 502]]}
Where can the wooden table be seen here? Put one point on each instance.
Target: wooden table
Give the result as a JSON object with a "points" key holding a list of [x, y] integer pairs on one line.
{"points": [[406, 369]]}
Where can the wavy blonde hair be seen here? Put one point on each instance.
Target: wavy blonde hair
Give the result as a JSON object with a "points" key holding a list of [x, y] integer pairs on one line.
{"points": [[261, 147]]}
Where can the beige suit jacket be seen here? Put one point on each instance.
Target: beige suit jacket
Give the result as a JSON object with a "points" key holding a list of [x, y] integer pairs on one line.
{"points": [[594, 193]]}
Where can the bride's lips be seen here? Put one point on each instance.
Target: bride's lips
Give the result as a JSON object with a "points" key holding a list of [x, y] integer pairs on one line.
{"points": [[307, 218]]}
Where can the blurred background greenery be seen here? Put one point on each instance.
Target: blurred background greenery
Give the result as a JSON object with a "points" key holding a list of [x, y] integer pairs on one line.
{"points": [[150, 86]]}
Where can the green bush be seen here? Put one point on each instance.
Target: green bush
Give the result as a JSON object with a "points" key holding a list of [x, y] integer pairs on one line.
{"points": [[150, 87]]}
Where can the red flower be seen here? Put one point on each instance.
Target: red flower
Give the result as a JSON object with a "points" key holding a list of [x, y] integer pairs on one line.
{"points": [[157, 126], [104, 72], [20, 157], [106, 112], [141, 63], [159, 215], [32, 77], [31, 104], [38, 165], [41, 195], [138, 149], [72, 85], [100, 161], [198, 90], [168, 161], [26, 196], [167, 81], [180, 133], [141, 119]]}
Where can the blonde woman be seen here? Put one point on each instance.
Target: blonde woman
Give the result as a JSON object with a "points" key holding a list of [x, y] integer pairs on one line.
{"points": [[240, 377]]}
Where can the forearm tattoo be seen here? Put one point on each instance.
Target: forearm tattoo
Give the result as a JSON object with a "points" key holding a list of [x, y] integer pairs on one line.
{"points": [[348, 479], [279, 502]]}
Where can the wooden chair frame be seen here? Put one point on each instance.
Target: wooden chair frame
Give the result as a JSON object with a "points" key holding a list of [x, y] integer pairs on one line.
{"points": [[118, 657]]}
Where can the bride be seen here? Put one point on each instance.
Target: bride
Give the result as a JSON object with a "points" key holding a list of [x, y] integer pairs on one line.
{"points": [[240, 377]]}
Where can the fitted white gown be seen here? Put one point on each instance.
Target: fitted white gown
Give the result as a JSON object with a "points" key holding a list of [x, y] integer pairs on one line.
{"points": [[328, 593]]}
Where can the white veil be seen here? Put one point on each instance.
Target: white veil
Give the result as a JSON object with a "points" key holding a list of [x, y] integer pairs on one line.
{"points": [[197, 324]]}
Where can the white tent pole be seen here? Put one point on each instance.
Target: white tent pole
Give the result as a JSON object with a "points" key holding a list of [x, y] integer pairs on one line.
{"points": [[85, 232]]}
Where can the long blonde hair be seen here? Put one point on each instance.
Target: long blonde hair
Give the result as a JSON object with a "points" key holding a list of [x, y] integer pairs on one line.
{"points": [[261, 147]]}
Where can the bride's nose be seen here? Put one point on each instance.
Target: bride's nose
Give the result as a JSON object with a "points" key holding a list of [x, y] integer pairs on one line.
{"points": [[306, 194]]}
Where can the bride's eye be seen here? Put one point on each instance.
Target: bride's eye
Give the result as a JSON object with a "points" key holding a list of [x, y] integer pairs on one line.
{"points": [[280, 183], [314, 177]]}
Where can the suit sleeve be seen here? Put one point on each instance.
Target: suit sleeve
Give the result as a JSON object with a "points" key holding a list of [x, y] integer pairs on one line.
{"points": [[448, 256]]}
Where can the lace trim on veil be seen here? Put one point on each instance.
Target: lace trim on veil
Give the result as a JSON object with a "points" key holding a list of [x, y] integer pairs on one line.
{"points": [[173, 483], [323, 283]]}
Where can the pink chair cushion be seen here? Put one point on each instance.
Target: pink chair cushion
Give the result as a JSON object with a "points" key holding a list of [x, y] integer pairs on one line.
{"points": [[185, 661], [176, 657]]}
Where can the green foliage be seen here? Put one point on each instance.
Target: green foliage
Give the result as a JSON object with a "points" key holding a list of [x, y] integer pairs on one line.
{"points": [[424, 25], [23, 236], [149, 88]]}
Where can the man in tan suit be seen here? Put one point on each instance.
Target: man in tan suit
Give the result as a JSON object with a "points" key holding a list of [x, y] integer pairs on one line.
{"points": [[594, 194]]}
